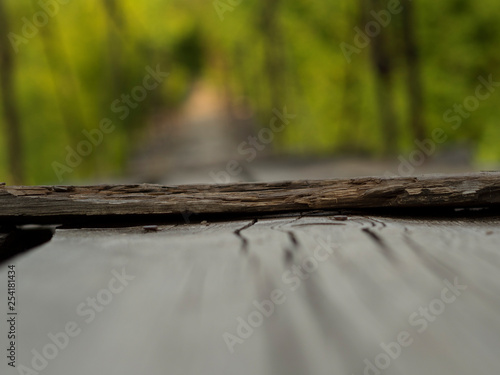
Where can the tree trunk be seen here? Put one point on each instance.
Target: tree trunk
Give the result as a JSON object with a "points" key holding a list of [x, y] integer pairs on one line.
{"points": [[115, 33], [415, 95], [10, 113], [65, 87], [383, 70], [274, 62]]}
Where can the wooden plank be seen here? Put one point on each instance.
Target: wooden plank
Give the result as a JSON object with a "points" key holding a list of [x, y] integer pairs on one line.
{"points": [[25, 203], [192, 283]]}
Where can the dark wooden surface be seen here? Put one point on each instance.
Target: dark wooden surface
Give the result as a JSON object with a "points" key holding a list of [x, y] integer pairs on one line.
{"points": [[193, 281], [31, 203]]}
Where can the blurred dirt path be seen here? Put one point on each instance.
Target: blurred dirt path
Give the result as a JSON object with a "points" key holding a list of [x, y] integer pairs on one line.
{"points": [[182, 145], [195, 144]]}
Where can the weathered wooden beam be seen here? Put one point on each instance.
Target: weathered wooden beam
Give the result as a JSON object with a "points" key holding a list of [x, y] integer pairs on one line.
{"points": [[23, 203]]}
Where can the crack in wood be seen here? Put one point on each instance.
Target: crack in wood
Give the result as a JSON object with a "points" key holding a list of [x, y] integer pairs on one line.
{"points": [[442, 270], [315, 224], [386, 250], [439, 269], [295, 244], [243, 239]]}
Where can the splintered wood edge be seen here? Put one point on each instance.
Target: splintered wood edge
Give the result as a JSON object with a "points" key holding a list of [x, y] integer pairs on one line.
{"points": [[459, 191]]}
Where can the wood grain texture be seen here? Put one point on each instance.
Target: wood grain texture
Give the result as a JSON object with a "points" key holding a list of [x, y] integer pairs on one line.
{"points": [[193, 282], [473, 190]]}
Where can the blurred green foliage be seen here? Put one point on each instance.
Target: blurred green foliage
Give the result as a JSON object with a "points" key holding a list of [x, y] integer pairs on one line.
{"points": [[273, 53]]}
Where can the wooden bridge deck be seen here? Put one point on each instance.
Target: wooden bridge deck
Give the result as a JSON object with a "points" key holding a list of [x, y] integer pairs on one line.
{"points": [[305, 293]]}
